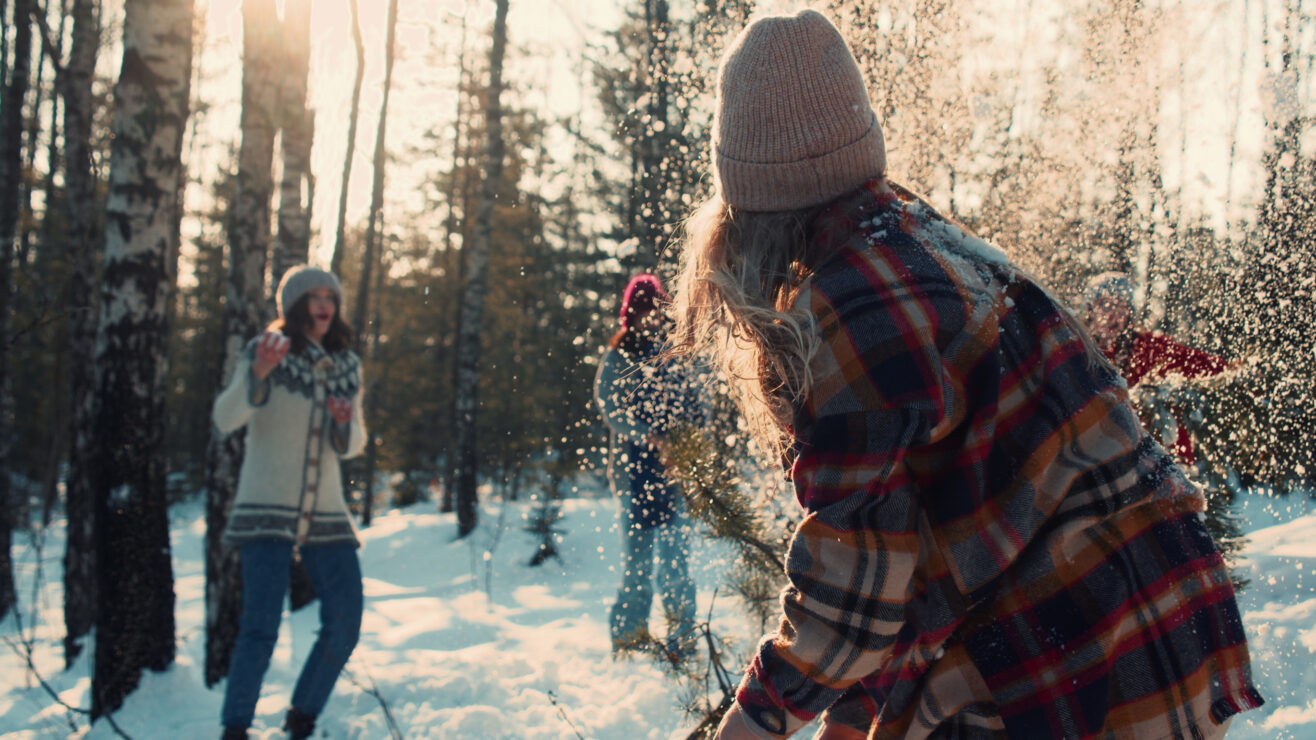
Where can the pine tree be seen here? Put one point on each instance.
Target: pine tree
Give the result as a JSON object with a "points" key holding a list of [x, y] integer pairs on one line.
{"points": [[135, 619]]}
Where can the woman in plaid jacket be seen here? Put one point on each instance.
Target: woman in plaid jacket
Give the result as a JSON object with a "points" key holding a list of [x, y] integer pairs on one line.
{"points": [[992, 546]]}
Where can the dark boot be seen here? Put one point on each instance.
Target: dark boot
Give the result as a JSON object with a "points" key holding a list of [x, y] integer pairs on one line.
{"points": [[234, 733], [299, 724]]}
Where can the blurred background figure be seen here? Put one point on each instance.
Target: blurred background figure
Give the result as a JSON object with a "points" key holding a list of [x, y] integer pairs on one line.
{"points": [[643, 398]]}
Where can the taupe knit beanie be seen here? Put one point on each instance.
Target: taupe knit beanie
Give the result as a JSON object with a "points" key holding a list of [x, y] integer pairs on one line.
{"points": [[794, 127], [300, 279]]}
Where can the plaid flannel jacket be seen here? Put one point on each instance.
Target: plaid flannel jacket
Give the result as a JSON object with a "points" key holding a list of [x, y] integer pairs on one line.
{"points": [[992, 545]]}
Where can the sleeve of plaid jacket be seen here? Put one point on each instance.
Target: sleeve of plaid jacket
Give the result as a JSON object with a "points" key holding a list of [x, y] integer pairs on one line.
{"points": [[878, 390]]}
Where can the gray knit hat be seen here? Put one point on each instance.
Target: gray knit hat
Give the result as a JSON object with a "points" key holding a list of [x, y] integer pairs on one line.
{"points": [[302, 278], [794, 125]]}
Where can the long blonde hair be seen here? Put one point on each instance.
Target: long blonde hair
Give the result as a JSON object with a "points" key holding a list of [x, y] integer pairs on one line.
{"points": [[734, 299]]}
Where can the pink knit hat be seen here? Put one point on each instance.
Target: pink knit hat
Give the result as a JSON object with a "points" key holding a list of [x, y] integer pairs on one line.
{"points": [[644, 293], [794, 125]]}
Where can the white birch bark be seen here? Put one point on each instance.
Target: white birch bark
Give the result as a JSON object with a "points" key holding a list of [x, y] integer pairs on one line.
{"points": [[135, 619]]}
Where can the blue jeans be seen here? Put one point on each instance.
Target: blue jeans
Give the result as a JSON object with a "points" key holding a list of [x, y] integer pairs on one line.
{"points": [[336, 574], [670, 542]]}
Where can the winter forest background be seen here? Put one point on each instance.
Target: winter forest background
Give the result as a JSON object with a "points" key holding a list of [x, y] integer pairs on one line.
{"points": [[486, 175]]}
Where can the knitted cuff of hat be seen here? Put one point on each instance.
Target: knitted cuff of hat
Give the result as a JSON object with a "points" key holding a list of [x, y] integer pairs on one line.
{"points": [[786, 186], [299, 280]]}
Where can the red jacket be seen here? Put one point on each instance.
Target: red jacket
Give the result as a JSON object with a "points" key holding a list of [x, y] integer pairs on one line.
{"points": [[1156, 355]]}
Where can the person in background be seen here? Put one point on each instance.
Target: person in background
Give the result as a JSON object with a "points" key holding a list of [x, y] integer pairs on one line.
{"points": [[297, 389], [992, 546], [642, 399], [1107, 306]]}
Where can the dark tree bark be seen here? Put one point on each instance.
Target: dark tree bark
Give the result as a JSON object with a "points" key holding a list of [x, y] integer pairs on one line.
{"points": [[79, 555], [452, 253], [371, 404], [477, 286], [38, 87], [374, 231], [655, 178], [294, 237], [336, 261], [4, 41], [244, 315], [11, 167], [135, 619]]}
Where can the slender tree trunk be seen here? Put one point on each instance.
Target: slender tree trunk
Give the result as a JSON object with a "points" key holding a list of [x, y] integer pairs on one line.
{"points": [[53, 164], [453, 247], [244, 315], [294, 239], [655, 179], [4, 44], [336, 261], [135, 619], [1237, 92], [38, 88], [477, 286], [11, 167], [371, 404], [80, 198], [374, 224]]}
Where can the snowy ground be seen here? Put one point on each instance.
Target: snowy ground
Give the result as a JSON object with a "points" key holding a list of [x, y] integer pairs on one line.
{"points": [[533, 660]]}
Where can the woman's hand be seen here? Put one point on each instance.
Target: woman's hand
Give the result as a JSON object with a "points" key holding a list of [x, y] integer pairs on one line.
{"points": [[270, 351], [340, 409]]}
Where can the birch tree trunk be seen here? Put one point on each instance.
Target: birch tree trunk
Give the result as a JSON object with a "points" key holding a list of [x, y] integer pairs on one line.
{"points": [[135, 619], [79, 555], [294, 236], [336, 261], [11, 167], [244, 315], [477, 287]]}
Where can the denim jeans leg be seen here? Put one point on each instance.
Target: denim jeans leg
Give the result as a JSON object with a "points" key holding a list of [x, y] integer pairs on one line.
{"points": [[265, 569], [335, 572], [630, 612], [676, 585]]}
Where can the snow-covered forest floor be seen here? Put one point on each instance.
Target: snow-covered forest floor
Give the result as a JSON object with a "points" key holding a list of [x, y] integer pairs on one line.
{"points": [[463, 646]]}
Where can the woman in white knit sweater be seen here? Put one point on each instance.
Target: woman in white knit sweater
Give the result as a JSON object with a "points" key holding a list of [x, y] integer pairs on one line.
{"points": [[297, 389]]}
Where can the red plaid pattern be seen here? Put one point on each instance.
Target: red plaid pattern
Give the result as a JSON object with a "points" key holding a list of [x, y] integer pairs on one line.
{"points": [[992, 546]]}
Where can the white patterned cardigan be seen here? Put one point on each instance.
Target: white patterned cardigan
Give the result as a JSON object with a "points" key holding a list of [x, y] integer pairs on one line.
{"points": [[290, 487]]}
